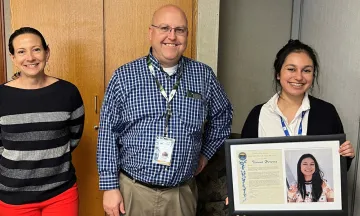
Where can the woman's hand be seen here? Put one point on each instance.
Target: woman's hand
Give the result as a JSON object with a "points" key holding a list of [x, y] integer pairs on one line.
{"points": [[291, 194], [347, 150], [227, 201]]}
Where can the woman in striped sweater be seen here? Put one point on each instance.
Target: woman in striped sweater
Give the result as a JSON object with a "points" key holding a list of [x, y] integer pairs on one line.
{"points": [[41, 121]]}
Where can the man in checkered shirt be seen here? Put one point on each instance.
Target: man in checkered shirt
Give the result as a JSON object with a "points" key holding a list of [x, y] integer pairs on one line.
{"points": [[163, 117]]}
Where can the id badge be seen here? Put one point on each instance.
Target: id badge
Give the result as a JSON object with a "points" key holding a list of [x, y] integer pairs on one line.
{"points": [[163, 150]]}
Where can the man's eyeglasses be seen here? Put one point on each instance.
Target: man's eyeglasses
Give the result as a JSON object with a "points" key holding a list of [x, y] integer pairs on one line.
{"points": [[179, 31]]}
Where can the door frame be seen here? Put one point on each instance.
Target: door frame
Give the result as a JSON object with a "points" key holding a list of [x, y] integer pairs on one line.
{"points": [[194, 29], [2, 44]]}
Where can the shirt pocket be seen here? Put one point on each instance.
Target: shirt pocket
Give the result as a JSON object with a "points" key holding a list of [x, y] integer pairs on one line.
{"points": [[192, 112]]}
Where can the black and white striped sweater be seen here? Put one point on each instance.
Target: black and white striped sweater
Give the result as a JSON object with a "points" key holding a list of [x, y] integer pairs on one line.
{"points": [[39, 130]]}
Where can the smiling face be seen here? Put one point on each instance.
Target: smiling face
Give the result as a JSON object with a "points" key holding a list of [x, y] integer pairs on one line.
{"points": [[308, 167], [29, 56], [168, 47], [296, 75]]}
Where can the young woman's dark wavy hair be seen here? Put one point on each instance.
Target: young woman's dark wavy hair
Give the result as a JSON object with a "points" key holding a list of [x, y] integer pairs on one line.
{"points": [[316, 181]]}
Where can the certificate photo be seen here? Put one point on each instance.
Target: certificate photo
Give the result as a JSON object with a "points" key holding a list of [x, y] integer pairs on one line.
{"points": [[303, 175], [309, 175]]}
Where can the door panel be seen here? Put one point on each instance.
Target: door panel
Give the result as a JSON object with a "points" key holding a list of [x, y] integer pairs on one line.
{"points": [[74, 32], [126, 30]]}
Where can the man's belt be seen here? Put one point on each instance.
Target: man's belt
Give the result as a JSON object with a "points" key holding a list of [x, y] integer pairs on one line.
{"points": [[149, 185]]}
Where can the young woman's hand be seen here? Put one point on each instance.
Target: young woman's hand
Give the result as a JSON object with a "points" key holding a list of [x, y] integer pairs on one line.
{"points": [[347, 150]]}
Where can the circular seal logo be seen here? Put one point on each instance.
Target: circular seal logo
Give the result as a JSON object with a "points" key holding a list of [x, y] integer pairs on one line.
{"points": [[242, 156]]}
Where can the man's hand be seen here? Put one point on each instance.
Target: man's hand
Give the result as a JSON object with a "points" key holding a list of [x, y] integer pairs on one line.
{"points": [[202, 163], [113, 203]]}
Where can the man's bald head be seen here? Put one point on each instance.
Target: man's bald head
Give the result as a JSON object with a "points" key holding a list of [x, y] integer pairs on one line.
{"points": [[168, 9]]}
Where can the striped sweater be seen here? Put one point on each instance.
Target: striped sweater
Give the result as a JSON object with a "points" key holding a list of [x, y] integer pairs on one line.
{"points": [[39, 130]]}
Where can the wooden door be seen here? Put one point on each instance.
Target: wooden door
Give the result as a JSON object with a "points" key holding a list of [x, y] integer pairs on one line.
{"points": [[126, 29], [80, 33], [74, 32]]}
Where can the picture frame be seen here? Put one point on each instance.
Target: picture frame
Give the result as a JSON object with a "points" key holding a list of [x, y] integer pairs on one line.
{"points": [[270, 176]]}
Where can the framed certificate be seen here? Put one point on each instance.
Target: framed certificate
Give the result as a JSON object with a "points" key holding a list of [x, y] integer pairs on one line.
{"points": [[281, 176]]}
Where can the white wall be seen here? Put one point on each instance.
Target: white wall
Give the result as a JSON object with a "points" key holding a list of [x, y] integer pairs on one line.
{"points": [[207, 35], [332, 27], [251, 33]]}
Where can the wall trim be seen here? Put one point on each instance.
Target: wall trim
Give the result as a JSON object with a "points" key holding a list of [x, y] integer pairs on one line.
{"points": [[296, 19]]}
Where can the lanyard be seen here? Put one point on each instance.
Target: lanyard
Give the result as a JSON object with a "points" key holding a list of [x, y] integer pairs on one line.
{"points": [[285, 128], [163, 92]]}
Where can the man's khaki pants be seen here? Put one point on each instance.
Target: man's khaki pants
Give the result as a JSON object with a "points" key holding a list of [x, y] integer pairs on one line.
{"points": [[144, 201]]}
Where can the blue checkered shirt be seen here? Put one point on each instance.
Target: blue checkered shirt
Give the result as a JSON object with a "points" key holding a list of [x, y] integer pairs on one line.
{"points": [[133, 115]]}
